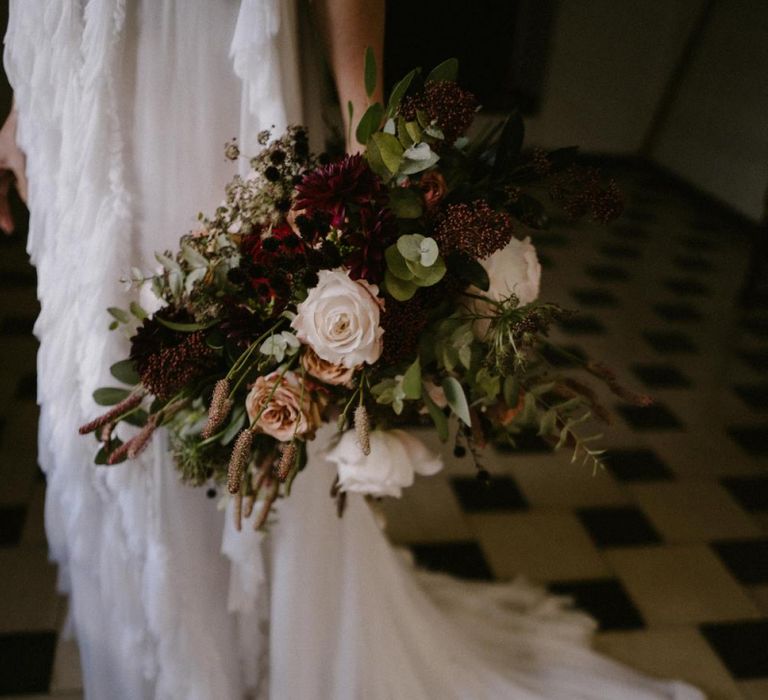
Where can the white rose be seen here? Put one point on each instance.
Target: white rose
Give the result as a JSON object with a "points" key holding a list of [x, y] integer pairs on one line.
{"points": [[339, 320], [514, 269], [389, 468]]}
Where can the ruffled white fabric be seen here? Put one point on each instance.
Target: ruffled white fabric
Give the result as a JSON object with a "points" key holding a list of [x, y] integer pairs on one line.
{"points": [[124, 110]]}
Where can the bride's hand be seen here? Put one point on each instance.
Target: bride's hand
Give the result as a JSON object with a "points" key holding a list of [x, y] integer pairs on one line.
{"points": [[12, 171]]}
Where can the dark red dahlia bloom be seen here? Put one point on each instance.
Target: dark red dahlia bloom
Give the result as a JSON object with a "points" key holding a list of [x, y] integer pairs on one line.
{"points": [[333, 188], [282, 244], [367, 242]]}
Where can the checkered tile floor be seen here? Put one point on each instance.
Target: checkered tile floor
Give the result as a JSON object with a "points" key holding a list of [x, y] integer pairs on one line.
{"points": [[667, 548]]}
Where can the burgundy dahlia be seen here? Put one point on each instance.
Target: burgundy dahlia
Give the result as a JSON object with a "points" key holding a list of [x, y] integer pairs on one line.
{"points": [[333, 188], [375, 232]]}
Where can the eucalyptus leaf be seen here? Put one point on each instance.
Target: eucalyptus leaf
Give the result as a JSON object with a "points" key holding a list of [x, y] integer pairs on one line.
{"points": [[398, 92], [402, 290], [193, 257], [102, 455], [168, 262], [390, 150], [185, 327], [396, 263], [125, 372], [110, 396], [457, 400], [411, 167], [413, 130], [429, 252], [137, 418], [420, 151], [447, 70], [369, 123], [370, 72], [410, 246], [429, 275], [412, 381]]}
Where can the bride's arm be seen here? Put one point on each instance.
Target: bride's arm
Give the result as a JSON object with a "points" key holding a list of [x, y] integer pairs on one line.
{"points": [[349, 27], [12, 170]]}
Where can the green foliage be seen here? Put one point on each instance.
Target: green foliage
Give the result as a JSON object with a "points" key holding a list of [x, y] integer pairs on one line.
{"points": [[447, 70], [412, 381], [110, 396], [437, 416], [370, 72], [125, 372], [399, 91], [369, 123], [457, 400], [413, 261]]}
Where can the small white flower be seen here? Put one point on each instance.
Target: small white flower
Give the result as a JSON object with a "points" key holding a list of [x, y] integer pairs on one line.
{"points": [[395, 456], [339, 320]]}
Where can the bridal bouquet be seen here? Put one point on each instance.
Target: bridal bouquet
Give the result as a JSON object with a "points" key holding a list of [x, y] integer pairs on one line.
{"points": [[381, 290]]}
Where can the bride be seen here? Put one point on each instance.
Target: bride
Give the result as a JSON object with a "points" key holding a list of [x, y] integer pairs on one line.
{"points": [[123, 110]]}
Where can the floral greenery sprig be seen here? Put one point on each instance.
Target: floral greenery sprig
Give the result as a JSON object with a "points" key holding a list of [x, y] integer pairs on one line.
{"points": [[396, 287]]}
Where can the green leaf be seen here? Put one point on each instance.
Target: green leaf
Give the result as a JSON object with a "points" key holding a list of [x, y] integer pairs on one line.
{"points": [[402, 290], [236, 421], [390, 150], [118, 314], [470, 270], [405, 203], [414, 131], [454, 394], [350, 110], [125, 372], [429, 252], [137, 311], [437, 416], [412, 381], [370, 72], [511, 390], [137, 418], [185, 327], [410, 246], [398, 92], [376, 161], [396, 263], [427, 276], [114, 325], [447, 70], [109, 396], [369, 123], [102, 455]]}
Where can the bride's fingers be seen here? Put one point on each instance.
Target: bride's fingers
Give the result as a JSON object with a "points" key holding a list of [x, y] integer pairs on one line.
{"points": [[6, 219]]}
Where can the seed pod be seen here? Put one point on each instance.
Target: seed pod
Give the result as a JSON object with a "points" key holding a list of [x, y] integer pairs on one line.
{"points": [[241, 453], [363, 429]]}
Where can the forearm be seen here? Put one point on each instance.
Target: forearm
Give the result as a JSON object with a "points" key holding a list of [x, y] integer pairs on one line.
{"points": [[349, 27]]}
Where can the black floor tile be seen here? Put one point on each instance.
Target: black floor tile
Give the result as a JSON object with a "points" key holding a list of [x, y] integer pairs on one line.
{"points": [[564, 360], [629, 232], [26, 662], [12, 520], [697, 242], [594, 296], [605, 599], [661, 376], [679, 313], [670, 342], [686, 287], [462, 559], [756, 326], [636, 465], [502, 493], [741, 646], [757, 359], [619, 252], [747, 560], [750, 491], [26, 389], [618, 527], [640, 216], [754, 395], [753, 439], [581, 324], [607, 273], [654, 417], [693, 263], [17, 325]]}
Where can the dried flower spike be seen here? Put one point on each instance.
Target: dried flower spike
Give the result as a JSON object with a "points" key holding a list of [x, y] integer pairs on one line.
{"points": [[139, 443], [241, 453], [287, 460], [363, 429], [220, 407], [124, 406]]}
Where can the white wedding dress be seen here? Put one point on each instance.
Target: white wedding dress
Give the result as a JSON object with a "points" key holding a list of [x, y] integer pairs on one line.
{"points": [[125, 107]]}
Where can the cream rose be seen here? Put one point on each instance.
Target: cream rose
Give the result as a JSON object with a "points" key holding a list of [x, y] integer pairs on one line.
{"points": [[514, 269], [389, 468], [336, 375], [339, 320], [287, 413]]}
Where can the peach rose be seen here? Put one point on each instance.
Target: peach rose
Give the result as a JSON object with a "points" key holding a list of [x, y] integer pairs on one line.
{"points": [[286, 413], [336, 375], [433, 186]]}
